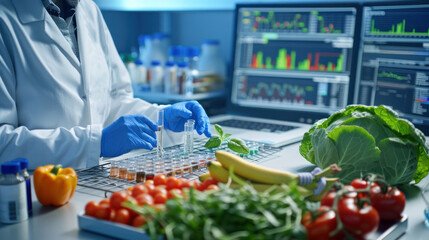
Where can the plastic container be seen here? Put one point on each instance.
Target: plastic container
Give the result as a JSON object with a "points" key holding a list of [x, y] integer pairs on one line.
{"points": [[210, 61], [156, 76], [140, 73], [165, 42], [170, 77], [155, 51], [182, 75], [145, 43], [176, 54], [13, 196], [24, 173]]}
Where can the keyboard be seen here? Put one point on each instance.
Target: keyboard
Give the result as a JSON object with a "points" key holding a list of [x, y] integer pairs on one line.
{"points": [[257, 126]]}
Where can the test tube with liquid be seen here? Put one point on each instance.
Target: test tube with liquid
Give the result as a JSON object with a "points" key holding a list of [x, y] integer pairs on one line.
{"points": [[114, 169], [189, 136], [122, 170], [186, 165], [140, 174], [160, 133], [177, 167], [131, 172]]}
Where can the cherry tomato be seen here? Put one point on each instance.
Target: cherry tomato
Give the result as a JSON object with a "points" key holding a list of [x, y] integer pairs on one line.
{"points": [[363, 220], [328, 199], [185, 184], [172, 183], [212, 187], [117, 198], [158, 207], [123, 216], [180, 181], [149, 187], [112, 214], [148, 182], [138, 221], [159, 180], [174, 193], [208, 182], [144, 199], [139, 189], [322, 226], [103, 211], [105, 200], [389, 205], [197, 185], [160, 198], [157, 190], [91, 208]]}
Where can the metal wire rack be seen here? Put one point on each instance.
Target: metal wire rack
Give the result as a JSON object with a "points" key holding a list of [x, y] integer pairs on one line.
{"points": [[98, 177]]}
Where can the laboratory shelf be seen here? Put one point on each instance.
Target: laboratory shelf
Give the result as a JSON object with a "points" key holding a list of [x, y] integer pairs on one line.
{"points": [[163, 98], [187, 5]]}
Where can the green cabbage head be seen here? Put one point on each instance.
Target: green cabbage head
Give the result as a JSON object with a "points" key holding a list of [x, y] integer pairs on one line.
{"points": [[363, 139]]}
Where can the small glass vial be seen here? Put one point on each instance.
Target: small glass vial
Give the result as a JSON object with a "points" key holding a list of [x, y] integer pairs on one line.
{"points": [[114, 169], [24, 173], [150, 175], [140, 175], [186, 166], [131, 173], [202, 161], [122, 170], [13, 199], [177, 168]]}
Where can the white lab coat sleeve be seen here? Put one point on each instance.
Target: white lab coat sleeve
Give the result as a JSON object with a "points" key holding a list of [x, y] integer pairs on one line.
{"points": [[78, 147], [123, 102]]}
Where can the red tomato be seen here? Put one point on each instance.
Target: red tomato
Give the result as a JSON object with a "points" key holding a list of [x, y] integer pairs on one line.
{"points": [[139, 189], [91, 208], [174, 193], [105, 200], [185, 184], [144, 199], [389, 205], [160, 198], [138, 221], [321, 227], [103, 211], [122, 216], [117, 198], [208, 182], [159, 180], [212, 187], [172, 183], [197, 185], [157, 190], [148, 182], [363, 220], [180, 181], [328, 199], [112, 215], [149, 187]]}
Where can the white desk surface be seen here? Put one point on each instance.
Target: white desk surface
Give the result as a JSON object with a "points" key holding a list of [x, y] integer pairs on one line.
{"points": [[61, 223]]}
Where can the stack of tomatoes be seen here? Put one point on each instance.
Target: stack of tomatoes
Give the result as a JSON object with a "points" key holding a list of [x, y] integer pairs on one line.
{"points": [[358, 210], [153, 193]]}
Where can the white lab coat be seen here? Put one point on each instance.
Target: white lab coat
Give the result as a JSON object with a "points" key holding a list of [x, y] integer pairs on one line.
{"points": [[53, 107]]}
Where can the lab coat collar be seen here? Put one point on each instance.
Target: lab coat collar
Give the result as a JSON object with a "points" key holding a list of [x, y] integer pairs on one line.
{"points": [[29, 10]]}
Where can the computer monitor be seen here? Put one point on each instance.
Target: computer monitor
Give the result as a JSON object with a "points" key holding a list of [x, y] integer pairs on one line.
{"points": [[393, 59], [294, 62]]}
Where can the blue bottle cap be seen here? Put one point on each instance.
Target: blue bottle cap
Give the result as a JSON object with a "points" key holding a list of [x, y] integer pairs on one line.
{"points": [[138, 62], [211, 42], [169, 64], [143, 37], [160, 35], [192, 51], [10, 167], [182, 64], [23, 162], [155, 63]]}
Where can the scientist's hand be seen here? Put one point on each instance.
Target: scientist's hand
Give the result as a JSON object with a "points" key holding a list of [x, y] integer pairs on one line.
{"points": [[176, 115], [128, 133]]}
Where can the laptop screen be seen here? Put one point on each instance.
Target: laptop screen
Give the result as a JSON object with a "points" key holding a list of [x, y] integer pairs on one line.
{"points": [[393, 63], [293, 58]]}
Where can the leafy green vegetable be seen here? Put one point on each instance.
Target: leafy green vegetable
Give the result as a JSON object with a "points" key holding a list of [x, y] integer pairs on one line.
{"points": [[228, 214], [237, 145], [362, 139]]}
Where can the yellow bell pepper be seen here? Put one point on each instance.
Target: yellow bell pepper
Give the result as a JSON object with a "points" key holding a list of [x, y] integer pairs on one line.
{"points": [[54, 185]]}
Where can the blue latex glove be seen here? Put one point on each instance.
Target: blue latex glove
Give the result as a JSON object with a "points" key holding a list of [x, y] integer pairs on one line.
{"points": [[128, 133], [176, 115]]}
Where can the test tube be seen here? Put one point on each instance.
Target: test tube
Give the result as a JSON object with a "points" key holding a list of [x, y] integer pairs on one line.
{"points": [[131, 172], [140, 174], [114, 169], [122, 170], [189, 136], [186, 166], [160, 133]]}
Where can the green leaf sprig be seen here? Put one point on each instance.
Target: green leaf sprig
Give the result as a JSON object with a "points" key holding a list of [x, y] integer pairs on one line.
{"points": [[235, 144]]}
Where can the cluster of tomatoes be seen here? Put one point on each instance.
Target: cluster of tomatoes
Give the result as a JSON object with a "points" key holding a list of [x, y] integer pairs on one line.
{"points": [[357, 209], [153, 193]]}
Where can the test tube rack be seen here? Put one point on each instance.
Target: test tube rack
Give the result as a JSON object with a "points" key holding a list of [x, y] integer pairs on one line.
{"points": [[103, 179]]}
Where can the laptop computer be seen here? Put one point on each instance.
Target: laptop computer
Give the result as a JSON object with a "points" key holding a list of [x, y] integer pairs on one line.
{"points": [[292, 65]]}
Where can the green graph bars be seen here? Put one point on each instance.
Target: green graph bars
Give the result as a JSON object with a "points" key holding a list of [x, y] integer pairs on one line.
{"points": [[323, 28], [271, 22], [393, 76], [287, 61], [397, 29]]}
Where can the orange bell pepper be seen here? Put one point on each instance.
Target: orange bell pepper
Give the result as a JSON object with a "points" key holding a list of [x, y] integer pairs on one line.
{"points": [[54, 185]]}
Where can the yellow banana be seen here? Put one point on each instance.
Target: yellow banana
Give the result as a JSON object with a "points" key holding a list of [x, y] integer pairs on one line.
{"points": [[204, 176], [254, 172], [219, 173]]}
